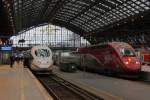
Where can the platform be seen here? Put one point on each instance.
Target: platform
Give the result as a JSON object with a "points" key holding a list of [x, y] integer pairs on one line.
{"points": [[116, 88], [19, 83]]}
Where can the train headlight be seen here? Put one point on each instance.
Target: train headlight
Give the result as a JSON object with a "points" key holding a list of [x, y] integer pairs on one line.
{"points": [[126, 62], [137, 62]]}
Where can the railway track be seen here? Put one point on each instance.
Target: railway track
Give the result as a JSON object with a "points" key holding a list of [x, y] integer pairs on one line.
{"points": [[63, 90]]}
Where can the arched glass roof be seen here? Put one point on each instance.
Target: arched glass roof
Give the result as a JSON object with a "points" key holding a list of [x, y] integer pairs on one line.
{"points": [[80, 16], [51, 35]]}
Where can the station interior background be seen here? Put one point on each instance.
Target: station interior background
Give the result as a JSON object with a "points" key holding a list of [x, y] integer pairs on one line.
{"points": [[69, 24]]}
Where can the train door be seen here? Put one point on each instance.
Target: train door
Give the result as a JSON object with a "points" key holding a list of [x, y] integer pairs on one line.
{"points": [[58, 58], [82, 59]]}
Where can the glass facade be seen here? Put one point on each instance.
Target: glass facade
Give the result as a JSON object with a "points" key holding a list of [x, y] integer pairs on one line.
{"points": [[50, 35]]}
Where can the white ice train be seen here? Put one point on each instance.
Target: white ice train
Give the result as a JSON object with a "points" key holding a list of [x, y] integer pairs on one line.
{"points": [[40, 59]]}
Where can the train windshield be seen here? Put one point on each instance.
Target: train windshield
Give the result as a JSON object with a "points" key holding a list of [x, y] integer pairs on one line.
{"points": [[42, 53], [127, 52]]}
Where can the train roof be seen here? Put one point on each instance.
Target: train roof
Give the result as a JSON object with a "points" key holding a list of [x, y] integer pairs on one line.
{"points": [[120, 44], [114, 44]]}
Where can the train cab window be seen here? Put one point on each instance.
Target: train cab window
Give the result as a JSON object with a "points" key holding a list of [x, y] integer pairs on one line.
{"points": [[42, 53], [127, 52]]}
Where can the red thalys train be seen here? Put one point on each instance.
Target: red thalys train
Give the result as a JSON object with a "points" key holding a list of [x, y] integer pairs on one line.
{"points": [[108, 57]]}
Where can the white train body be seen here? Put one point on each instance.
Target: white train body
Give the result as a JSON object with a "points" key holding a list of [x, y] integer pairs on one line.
{"points": [[41, 59]]}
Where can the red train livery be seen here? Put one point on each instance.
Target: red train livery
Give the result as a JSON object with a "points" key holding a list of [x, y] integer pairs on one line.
{"points": [[111, 57]]}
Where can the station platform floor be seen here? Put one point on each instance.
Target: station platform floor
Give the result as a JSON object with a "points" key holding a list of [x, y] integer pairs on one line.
{"points": [[19, 83], [109, 88]]}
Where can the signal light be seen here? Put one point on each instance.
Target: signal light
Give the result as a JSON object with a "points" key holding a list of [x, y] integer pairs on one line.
{"points": [[129, 59]]}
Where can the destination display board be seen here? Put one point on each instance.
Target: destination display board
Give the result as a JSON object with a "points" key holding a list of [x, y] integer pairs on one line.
{"points": [[6, 48]]}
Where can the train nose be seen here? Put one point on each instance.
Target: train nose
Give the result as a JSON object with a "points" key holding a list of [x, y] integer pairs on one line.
{"points": [[132, 64]]}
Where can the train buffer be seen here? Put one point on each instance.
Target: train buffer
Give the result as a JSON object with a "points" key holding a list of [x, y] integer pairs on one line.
{"points": [[19, 83]]}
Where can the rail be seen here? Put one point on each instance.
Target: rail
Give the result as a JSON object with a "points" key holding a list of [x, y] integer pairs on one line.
{"points": [[60, 89]]}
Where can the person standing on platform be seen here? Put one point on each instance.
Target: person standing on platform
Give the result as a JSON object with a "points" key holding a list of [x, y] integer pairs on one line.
{"points": [[25, 62], [11, 61]]}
